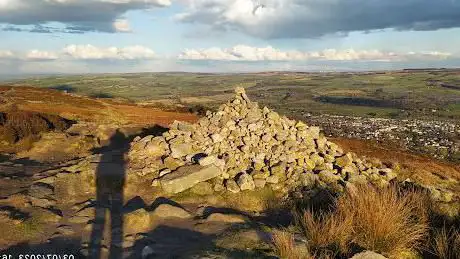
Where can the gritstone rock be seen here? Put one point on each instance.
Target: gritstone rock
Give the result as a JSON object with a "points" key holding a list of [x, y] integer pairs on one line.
{"points": [[188, 176], [246, 147]]}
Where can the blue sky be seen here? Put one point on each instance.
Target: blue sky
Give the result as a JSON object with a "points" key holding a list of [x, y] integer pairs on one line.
{"points": [[82, 36]]}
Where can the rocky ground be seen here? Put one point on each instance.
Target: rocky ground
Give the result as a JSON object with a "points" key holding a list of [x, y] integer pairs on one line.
{"points": [[210, 189]]}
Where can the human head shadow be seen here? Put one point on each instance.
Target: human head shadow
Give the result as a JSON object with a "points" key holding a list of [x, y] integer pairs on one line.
{"points": [[110, 181], [122, 139]]}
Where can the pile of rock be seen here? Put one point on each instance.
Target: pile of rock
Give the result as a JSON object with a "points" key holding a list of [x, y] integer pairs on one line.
{"points": [[243, 147]]}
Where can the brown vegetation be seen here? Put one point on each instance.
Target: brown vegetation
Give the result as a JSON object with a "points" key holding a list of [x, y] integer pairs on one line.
{"points": [[78, 108], [389, 221], [446, 243], [16, 125], [285, 246]]}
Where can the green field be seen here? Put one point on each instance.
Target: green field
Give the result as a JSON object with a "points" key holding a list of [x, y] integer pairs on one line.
{"points": [[399, 94]]}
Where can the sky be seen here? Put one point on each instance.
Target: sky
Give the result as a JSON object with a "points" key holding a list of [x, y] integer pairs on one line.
{"points": [[114, 36]]}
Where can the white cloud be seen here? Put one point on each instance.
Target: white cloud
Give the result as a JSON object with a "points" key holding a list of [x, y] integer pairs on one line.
{"points": [[122, 25], [6, 54], [40, 55], [96, 59], [313, 18], [248, 53], [90, 52]]}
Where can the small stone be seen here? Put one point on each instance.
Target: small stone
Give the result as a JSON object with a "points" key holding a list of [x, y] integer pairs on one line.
{"points": [[272, 179], [232, 186], [344, 161], [328, 176], [155, 183], [173, 163], [209, 160], [260, 175], [181, 150], [219, 187], [260, 183], [300, 124], [245, 182], [217, 138], [154, 150], [358, 179]]}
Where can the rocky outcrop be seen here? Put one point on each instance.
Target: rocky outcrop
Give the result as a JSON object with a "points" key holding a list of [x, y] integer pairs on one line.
{"points": [[242, 147]]}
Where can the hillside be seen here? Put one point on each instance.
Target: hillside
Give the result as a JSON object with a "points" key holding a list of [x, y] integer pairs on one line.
{"points": [[223, 184], [412, 109]]}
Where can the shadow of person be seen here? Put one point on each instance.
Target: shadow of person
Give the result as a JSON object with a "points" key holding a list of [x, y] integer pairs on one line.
{"points": [[110, 180]]}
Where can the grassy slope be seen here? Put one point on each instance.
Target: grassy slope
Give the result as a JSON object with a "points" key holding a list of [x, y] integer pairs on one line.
{"points": [[86, 109], [350, 94]]}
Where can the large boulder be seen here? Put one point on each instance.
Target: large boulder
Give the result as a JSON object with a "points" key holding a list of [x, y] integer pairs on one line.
{"points": [[187, 176]]}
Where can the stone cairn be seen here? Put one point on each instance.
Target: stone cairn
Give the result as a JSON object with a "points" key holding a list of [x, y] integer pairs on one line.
{"points": [[243, 147]]}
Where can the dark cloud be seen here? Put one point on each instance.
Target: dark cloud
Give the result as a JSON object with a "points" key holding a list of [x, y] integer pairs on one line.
{"points": [[76, 15], [315, 18]]}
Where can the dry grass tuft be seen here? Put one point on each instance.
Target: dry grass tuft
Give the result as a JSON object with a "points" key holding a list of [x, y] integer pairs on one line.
{"points": [[446, 243], [388, 220], [330, 232], [285, 246]]}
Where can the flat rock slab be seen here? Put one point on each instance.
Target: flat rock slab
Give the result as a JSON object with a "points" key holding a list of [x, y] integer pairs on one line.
{"points": [[188, 176], [169, 211], [226, 218]]}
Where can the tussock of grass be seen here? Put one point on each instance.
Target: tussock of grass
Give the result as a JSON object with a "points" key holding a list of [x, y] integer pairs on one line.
{"points": [[446, 243], [286, 248], [326, 231], [389, 221]]}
